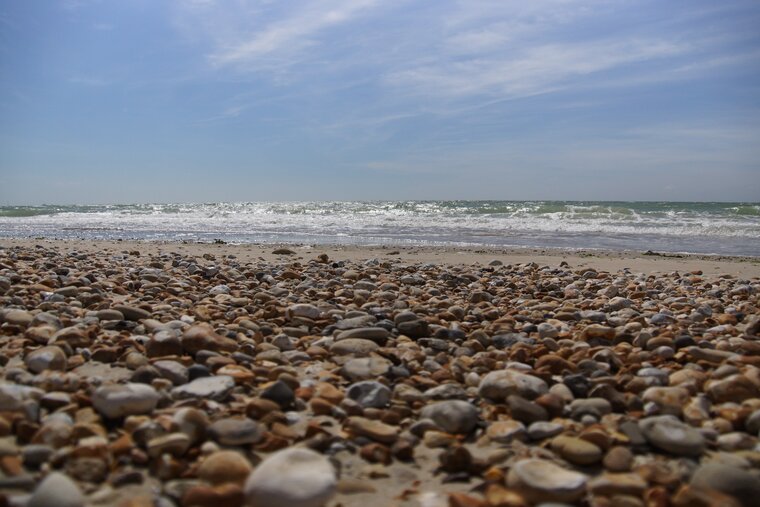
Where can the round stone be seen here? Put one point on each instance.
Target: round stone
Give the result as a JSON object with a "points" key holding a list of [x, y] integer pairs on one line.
{"points": [[542, 481], [56, 490], [291, 478], [46, 358], [225, 466], [280, 393], [370, 394], [452, 416], [497, 385], [113, 401]]}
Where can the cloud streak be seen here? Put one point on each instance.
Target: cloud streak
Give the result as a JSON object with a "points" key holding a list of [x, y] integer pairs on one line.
{"points": [[532, 71], [292, 33]]}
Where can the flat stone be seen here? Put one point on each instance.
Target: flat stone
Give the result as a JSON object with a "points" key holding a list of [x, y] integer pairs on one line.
{"points": [[18, 317], [365, 368], [497, 385], [542, 481], [598, 331], [132, 312], [115, 400], [594, 406], [733, 481], [576, 450], [377, 335], [669, 434], [109, 314], [236, 431], [304, 310], [354, 346], [372, 429], [609, 484], [452, 416], [216, 388], [292, 477], [173, 371], [505, 432], [544, 429]]}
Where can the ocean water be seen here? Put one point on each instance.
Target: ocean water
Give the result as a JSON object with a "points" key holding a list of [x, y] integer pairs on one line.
{"points": [[707, 228]]}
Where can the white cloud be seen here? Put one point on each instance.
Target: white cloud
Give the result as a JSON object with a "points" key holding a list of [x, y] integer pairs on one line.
{"points": [[530, 71], [291, 33]]}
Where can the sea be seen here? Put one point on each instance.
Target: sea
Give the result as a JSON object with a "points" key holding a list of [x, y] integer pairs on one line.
{"points": [[718, 228]]}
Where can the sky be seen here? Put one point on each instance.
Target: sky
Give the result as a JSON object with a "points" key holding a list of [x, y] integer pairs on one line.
{"points": [[128, 101]]}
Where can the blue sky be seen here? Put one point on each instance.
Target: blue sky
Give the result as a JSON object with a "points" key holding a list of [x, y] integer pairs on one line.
{"points": [[203, 100]]}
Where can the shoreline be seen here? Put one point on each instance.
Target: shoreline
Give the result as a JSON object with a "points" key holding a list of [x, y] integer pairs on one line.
{"points": [[607, 260]]}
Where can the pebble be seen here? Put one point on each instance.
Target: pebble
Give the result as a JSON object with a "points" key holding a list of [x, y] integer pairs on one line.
{"points": [[497, 385], [541, 430], [224, 466], [669, 400], [164, 377], [504, 432], [671, 435], [372, 429], [576, 450], [56, 489], [235, 431], [354, 346], [46, 358], [618, 459], [292, 478], [214, 388], [369, 394], [735, 482], [452, 416], [113, 401], [540, 481], [365, 368], [376, 335]]}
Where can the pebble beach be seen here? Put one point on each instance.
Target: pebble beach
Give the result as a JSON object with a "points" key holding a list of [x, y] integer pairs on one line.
{"points": [[141, 374]]}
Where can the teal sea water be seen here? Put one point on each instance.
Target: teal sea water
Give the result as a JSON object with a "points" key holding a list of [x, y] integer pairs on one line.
{"points": [[708, 228]]}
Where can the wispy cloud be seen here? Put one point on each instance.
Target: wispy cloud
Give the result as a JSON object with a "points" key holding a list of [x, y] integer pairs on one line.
{"points": [[293, 32], [532, 71]]}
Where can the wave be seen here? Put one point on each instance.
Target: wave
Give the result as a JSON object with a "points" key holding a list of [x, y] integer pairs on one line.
{"points": [[721, 226]]}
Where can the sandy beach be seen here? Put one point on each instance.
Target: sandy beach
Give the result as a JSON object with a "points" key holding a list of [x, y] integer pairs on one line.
{"points": [[188, 374], [739, 266]]}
